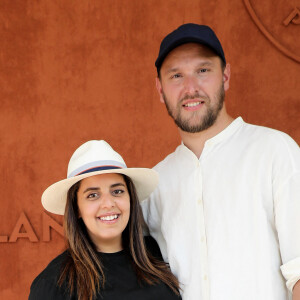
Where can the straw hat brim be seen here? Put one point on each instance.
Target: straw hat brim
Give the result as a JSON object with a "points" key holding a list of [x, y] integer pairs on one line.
{"points": [[55, 196]]}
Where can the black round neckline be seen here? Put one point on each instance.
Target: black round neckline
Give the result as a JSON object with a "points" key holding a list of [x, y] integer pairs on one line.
{"points": [[112, 254]]}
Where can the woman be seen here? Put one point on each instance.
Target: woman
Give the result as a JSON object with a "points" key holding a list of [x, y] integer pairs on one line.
{"points": [[107, 256]]}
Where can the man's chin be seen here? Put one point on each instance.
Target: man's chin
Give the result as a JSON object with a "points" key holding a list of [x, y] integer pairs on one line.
{"points": [[190, 128], [194, 126]]}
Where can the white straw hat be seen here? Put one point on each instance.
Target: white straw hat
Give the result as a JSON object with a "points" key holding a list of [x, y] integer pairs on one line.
{"points": [[93, 158]]}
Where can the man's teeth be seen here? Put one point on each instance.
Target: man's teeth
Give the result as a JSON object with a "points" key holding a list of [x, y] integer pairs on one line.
{"points": [[192, 104], [109, 218]]}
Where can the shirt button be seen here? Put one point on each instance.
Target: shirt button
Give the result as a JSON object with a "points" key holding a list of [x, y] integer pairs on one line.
{"points": [[205, 277], [199, 201], [202, 239]]}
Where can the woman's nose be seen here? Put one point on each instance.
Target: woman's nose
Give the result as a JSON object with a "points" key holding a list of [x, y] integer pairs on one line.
{"points": [[108, 201]]}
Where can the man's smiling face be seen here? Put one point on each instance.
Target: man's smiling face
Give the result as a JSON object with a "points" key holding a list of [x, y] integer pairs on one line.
{"points": [[192, 85]]}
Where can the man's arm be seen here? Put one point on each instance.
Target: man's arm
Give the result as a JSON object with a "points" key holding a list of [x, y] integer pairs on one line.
{"points": [[296, 291], [152, 218], [286, 186]]}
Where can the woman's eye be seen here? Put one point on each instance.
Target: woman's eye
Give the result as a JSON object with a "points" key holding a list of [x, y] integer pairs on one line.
{"points": [[118, 192], [92, 195]]}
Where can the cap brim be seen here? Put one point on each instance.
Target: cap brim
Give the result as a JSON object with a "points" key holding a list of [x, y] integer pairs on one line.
{"points": [[55, 196]]}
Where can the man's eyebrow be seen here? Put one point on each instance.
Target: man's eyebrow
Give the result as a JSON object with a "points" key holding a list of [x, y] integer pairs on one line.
{"points": [[171, 70], [201, 64], [205, 63]]}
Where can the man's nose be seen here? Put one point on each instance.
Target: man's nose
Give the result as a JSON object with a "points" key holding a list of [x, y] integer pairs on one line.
{"points": [[191, 85]]}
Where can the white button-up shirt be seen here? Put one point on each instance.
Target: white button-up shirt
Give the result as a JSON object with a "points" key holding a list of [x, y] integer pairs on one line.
{"points": [[228, 223]]}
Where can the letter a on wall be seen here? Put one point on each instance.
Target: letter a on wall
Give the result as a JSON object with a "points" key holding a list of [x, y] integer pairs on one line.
{"points": [[29, 233]]}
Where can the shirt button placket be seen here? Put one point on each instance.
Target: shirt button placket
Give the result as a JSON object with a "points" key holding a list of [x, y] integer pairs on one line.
{"points": [[202, 233]]}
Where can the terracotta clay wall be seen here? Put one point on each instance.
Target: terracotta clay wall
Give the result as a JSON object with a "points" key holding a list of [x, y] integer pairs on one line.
{"points": [[71, 71]]}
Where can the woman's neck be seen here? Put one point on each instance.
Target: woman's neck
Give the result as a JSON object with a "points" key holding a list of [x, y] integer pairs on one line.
{"points": [[109, 246]]}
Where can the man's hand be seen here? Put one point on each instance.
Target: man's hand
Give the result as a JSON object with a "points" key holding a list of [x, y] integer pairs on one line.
{"points": [[296, 291]]}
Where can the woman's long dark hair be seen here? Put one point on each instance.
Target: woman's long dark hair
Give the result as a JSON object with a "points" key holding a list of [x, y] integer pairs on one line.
{"points": [[82, 271]]}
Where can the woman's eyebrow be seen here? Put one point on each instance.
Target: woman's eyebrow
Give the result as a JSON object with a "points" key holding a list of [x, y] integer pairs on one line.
{"points": [[91, 189], [117, 184], [97, 188]]}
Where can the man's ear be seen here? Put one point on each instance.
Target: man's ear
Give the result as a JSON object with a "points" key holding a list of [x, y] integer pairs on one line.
{"points": [[160, 90], [226, 77]]}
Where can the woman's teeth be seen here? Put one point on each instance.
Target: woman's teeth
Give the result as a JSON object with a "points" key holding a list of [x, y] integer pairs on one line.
{"points": [[109, 218]]}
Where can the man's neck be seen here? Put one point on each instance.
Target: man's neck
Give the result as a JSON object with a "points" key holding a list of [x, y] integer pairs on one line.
{"points": [[195, 141]]}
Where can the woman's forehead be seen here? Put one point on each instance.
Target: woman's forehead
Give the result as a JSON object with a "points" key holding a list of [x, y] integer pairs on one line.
{"points": [[103, 179]]}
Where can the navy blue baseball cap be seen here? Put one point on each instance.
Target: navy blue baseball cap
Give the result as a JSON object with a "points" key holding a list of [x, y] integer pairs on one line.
{"points": [[189, 33]]}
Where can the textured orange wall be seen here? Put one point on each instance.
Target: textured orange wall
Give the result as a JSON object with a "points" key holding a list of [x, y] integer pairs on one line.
{"points": [[71, 71]]}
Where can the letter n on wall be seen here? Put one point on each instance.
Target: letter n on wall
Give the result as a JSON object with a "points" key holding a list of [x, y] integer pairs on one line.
{"points": [[49, 223]]}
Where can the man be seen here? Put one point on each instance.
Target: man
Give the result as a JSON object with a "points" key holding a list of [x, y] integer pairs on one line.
{"points": [[226, 213]]}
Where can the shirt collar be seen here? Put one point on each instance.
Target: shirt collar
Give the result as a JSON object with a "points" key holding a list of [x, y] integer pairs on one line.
{"points": [[223, 135], [226, 133]]}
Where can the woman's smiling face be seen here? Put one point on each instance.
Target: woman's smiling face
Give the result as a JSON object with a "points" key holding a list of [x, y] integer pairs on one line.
{"points": [[104, 206]]}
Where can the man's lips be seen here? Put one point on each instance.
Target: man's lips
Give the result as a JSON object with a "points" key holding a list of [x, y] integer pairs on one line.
{"points": [[193, 104]]}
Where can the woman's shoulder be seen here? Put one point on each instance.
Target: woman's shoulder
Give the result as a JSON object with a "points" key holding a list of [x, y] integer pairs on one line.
{"points": [[46, 281], [152, 247], [54, 267]]}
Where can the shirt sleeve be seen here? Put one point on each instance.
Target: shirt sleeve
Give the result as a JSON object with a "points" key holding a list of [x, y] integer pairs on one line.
{"points": [[288, 227], [152, 216], [287, 211], [290, 272]]}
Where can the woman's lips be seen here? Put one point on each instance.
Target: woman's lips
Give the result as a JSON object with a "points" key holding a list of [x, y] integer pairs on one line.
{"points": [[109, 218]]}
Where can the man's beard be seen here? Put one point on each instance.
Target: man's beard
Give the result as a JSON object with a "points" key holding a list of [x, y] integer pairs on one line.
{"points": [[205, 121]]}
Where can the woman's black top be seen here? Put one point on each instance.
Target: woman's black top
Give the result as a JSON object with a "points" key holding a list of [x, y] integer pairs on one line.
{"points": [[121, 280]]}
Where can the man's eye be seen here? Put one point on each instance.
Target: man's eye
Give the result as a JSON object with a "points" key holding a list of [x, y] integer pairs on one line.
{"points": [[176, 76], [203, 70]]}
